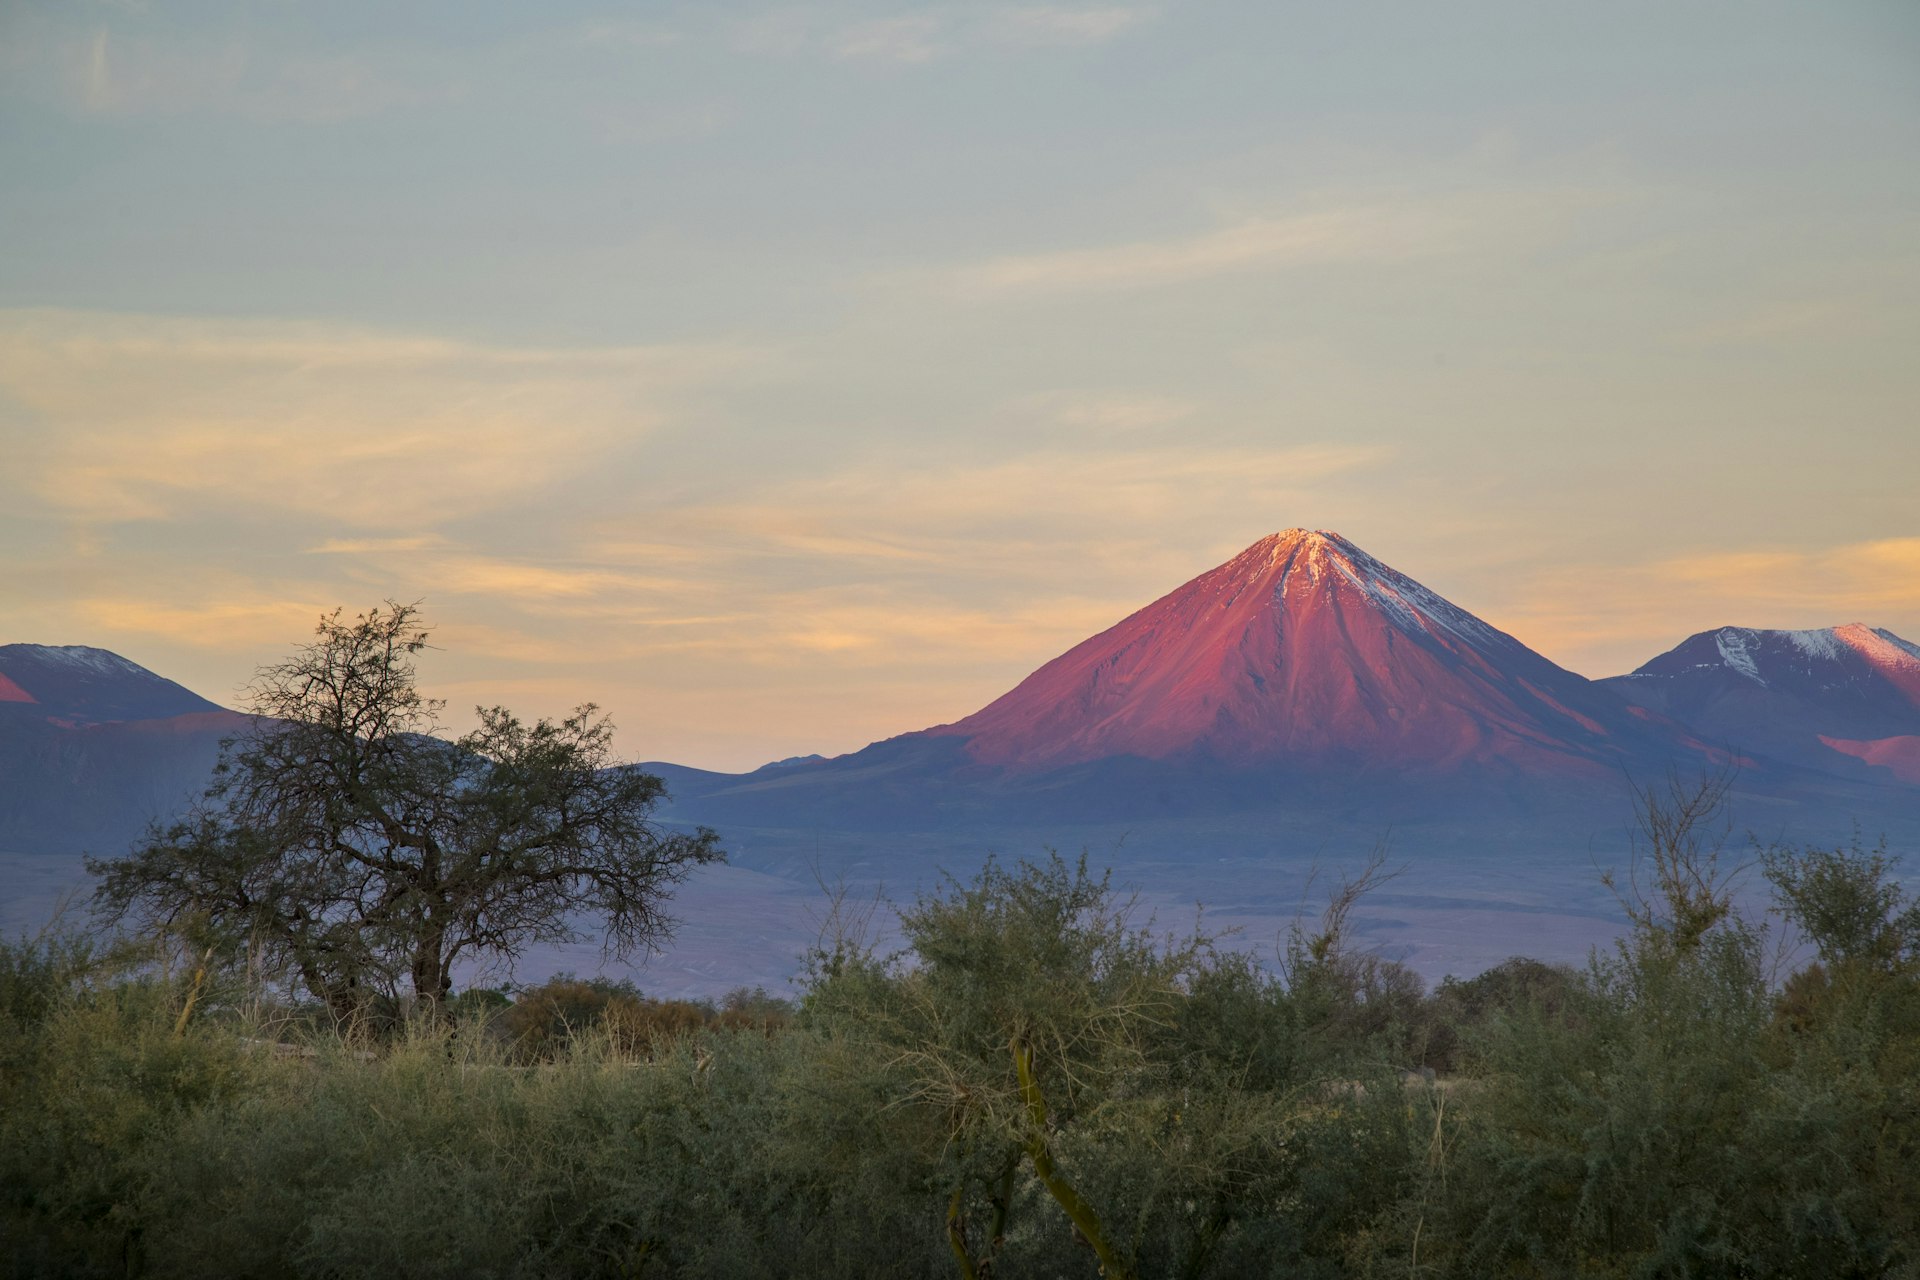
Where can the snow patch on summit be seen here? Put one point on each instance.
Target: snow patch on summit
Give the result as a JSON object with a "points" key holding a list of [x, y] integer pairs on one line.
{"points": [[1732, 643], [1411, 606], [1388, 601], [82, 657], [1820, 644]]}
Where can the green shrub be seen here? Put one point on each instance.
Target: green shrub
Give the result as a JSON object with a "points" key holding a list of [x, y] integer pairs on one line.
{"points": [[1036, 1064]]}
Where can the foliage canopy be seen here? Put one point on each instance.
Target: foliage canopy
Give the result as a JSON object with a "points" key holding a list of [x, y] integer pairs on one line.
{"points": [[344, 839]]}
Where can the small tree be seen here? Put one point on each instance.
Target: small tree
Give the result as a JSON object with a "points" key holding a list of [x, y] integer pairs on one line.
{"points": [[1683, 827], [347, 841], [1031, 1008], [1349, 1000], [1849, 903]]}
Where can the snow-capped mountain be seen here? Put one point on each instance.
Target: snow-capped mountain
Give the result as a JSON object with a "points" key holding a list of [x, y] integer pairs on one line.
{"points": [[80, 685], [94, 746], [1825, 697], [1305, 652], [1301, 676], [1301, 682]]}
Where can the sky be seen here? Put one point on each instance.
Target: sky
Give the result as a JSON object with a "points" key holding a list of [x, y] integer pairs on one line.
{"points": [[782, 378]]}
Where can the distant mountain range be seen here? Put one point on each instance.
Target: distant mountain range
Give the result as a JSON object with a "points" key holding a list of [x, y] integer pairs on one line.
{"points": [[1301, 680], [1304, 685]]}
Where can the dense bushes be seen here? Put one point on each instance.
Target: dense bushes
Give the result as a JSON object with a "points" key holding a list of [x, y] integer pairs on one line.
{"points": [[545, 1020], [1669, 1113], [1034, 1082]]}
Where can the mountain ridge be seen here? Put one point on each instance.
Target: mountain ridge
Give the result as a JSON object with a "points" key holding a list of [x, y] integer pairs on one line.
{"points": [[1844, 698], [1501, 814], [1301, 677], [84, 685]]}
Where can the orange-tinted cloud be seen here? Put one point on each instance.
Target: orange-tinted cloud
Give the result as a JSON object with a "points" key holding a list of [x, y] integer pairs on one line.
{"points": [[1604, 620], [154, 418]]}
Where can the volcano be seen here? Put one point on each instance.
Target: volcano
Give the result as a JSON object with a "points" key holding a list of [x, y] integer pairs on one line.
{"points": [[1833, 698], [1304, 652], [1296, 707], [1302, 675]]}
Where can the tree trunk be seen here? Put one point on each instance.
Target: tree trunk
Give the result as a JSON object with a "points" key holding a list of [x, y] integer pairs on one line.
{"points": [[1079, 1212], [431, 981]]}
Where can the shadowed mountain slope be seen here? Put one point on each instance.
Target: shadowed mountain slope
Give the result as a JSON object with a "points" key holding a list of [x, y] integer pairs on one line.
{"points": [[82, 686], [93, 747], [1842, 698]]}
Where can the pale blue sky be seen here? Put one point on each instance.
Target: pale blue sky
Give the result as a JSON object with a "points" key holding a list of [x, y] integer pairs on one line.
{"points": [[785, 377]]}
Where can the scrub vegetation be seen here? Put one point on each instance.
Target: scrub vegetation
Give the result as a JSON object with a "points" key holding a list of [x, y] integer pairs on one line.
{"points": [[1038, 1084]]}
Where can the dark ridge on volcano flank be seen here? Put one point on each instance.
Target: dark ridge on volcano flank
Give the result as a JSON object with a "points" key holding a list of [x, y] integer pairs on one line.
{"points": [[1305, 651]]}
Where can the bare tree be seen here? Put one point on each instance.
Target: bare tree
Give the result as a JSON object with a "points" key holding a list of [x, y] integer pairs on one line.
{"points": [[349, 841]]}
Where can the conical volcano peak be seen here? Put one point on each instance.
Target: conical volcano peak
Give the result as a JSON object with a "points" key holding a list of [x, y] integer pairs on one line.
{"points": [[1292, 542], [1310, 570], [1314, 549], [1302, 648], [1313, 553], [1289, 537]]}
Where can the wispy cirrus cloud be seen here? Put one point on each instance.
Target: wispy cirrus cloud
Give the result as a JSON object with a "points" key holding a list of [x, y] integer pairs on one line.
{"points": [[128, 67], [543, 586], [131, 60], [968, 573], [1778, 323], [224, 617], [926, 33], [1067, 24], [152, 418], [1360, 229], [739, 610], [988, 516], [913, 38], [1103, 412], [901, 565], [1882, 574], [369, 546]]}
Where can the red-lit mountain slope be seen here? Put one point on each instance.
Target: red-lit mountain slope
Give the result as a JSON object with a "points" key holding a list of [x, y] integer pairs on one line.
{"points": [[1304, 652], [1302, 682], [1826, 697]]}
